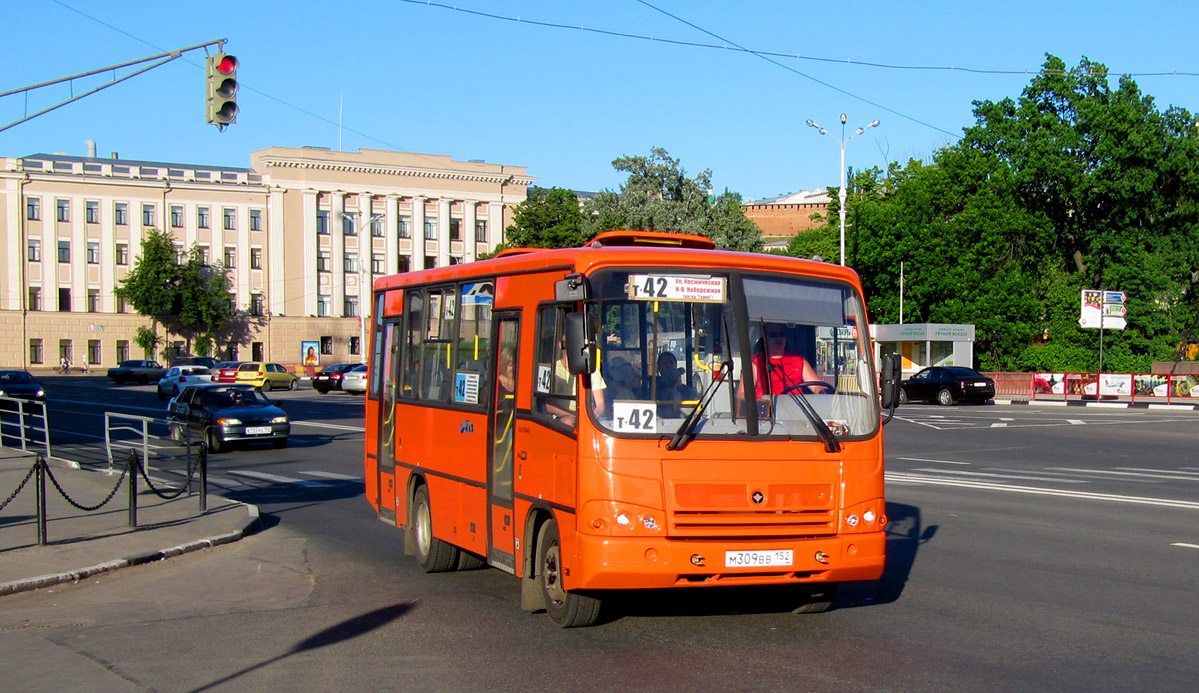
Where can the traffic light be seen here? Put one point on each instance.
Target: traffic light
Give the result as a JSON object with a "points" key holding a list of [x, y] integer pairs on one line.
{"points": [[221, 82]]}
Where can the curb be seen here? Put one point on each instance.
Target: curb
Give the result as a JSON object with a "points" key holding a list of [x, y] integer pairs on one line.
{"points": [[248, 526], [1100, 405]]}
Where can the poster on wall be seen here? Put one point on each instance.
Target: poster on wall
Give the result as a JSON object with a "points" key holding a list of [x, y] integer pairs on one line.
{"points": [[310, 353]]}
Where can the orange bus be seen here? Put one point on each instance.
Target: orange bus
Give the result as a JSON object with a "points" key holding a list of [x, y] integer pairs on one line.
{"points": [[641, 412]]}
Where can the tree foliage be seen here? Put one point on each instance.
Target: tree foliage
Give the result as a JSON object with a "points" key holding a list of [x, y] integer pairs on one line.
{"points": [[548, 218], [1074, 185]]}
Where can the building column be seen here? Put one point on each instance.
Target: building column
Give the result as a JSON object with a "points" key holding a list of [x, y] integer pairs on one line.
{"points": [[311, 277], [443, 232], [275, 250], [468, 234], [337, 289], [495, 224], [391, 241], [418, 232]]}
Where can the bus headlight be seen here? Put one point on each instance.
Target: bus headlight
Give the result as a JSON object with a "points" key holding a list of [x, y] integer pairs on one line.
{"points": [[621, 519]]}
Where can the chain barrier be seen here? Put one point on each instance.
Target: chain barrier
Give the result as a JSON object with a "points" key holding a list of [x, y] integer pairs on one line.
{"points": [[63, 493], [28, 476], [141, 468]]}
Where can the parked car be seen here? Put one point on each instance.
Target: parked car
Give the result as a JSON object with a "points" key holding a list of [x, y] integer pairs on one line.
{"points": [[269, 376], [353, 381], [222, 415], [177, 377], [21, 385], [225, 372], [330, 377], [206, 361], [946, 385], [140, 371]]}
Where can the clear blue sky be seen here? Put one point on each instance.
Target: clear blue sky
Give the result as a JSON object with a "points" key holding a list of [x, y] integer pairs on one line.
{"points": [[565, 102]]}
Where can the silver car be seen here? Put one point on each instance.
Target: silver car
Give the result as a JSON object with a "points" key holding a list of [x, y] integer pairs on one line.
{"points": [[353, 381]]}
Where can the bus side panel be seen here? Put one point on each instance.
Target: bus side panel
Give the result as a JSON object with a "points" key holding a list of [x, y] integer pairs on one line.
{"points": [[370, 474], [546, 466]]}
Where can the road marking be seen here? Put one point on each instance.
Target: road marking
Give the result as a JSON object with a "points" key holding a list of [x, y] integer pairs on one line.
{"points": [[1186, 546], [1002, 476], [999, 425], [922, 459], [335, 476], [263, 476], [1033, 490], [1076, 422], [1186, 474], [339, 427], [1148, 474]]}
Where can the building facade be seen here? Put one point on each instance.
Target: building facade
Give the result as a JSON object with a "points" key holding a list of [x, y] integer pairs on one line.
{"points": [[301, 234]]}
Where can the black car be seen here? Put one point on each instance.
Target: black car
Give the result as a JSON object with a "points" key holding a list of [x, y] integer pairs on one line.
{"points": [[946, 385], [137, 370], [223, 414], [21, 385], [206, 361], [330, 377]]}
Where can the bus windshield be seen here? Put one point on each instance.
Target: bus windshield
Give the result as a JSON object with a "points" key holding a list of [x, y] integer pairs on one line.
{"points": [[767, 355]]}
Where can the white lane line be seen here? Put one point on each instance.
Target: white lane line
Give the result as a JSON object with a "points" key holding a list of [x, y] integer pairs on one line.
{"points": [[999, 425], [922, 459], [1181, 474], [1032, 490], [1003, 476], [338, 427], [1076, 422], [1046, 472], [1185, 546], [263, 476], [211, 479], [334, 475], [1160, 473]]}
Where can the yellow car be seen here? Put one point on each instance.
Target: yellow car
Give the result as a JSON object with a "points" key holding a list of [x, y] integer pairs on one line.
{"points": [[267, 376]]}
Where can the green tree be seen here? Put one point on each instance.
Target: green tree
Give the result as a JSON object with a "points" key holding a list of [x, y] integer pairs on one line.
{"points": [[658, 196], [548, 218]]}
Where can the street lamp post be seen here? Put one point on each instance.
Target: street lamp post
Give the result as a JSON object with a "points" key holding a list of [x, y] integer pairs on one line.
{"points": [[841, 195], [363, 292]]}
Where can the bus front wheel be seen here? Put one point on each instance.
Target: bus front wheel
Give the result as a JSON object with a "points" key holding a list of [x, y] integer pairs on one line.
{"points": [[566, 609], [433, 554]]}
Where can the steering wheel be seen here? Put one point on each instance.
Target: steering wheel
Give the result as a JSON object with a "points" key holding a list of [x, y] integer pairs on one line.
{"points": [[829, 389]]}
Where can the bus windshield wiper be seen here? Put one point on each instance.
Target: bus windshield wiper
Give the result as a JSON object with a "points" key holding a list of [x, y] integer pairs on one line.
{"points": [[831, 444], [686, 432]]}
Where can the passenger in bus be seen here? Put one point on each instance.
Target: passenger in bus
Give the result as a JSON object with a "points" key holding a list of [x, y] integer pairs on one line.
{"points": [[626, 381], [565, 382], [671, 390], [777, 369]]}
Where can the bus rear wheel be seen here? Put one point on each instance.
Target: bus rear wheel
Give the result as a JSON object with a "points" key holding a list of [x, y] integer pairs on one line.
{"points": [[433, 554], [565, 609]]}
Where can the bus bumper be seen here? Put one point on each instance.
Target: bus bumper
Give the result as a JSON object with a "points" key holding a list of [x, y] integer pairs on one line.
{"points": [[605, 562]]}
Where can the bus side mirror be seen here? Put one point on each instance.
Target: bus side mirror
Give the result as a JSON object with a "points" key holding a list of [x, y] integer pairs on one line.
{"points": [[890, 389], [580, 352]]}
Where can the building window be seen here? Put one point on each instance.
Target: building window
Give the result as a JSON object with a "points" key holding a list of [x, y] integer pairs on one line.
{"points": [[177, 216], [404, 227], [148, 215], [322, 306], [326, 345], [350, 262], [92, 212], [322, 261], [120, 213], [35, 298], [121, 306], [180, 254], [93, 352], [34, 251], [256, 305], [230, 256], [255, 258], [351, 307], [430, 261], [202, 217], [35, 351], [455, 229], [349, 223], [322, 222], [202, 254], [255, 219], [122, 350], [355, 346], [404, 264], [481, 231], [93, 252], [230, 215], [377, 226], [378, 266], [65, 350], [64, 300], [64, 251], [231, 299], [430, 228], [455, 260], [122, 253], [64, 210], [33, 209], [93, 300]]}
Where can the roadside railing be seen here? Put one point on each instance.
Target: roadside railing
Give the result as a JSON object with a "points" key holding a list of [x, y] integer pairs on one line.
{"points": [[1151, 388], [23, 425]]}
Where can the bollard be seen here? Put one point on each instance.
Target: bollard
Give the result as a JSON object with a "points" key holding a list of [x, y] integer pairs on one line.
{"points": [[40, 466], [133, 467], [202, 461]]}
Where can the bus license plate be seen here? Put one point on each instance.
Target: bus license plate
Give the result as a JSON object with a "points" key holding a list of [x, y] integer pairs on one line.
{"points": [[751, 559], [257, 430]]}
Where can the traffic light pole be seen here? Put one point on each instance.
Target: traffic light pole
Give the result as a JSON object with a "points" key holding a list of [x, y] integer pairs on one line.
{"points": [[162, 58]]}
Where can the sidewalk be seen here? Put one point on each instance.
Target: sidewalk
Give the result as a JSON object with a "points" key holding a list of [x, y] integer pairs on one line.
{"points": [[80, 544]]}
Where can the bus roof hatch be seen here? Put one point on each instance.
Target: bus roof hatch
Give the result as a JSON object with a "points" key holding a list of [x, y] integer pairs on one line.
{"points": [[651, 238]]}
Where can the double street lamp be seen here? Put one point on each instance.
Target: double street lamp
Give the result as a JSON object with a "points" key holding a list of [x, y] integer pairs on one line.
{"points": [[364, 293], [843, 141]]}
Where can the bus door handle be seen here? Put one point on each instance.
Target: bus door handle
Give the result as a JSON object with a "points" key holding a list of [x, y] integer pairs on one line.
{"points": [[523, 455]]}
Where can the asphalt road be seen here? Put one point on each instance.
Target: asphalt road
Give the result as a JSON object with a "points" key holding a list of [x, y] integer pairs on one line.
{"points": [[1031, 549]]}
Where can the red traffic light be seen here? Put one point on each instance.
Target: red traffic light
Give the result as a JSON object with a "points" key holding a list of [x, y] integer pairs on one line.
{"points": [[227, 65]]}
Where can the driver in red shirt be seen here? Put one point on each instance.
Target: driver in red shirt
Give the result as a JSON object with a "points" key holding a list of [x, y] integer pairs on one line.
{"points": [[786, 370]]}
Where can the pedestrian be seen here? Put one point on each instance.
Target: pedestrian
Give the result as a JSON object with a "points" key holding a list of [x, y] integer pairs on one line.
{"points": [[65, 364], [85, 364]]}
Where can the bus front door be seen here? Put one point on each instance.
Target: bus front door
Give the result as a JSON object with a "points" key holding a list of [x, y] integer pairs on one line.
{"points": [[501, 551]]}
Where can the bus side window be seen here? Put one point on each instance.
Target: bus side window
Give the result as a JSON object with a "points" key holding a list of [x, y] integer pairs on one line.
{"points": [[554, 386]]}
